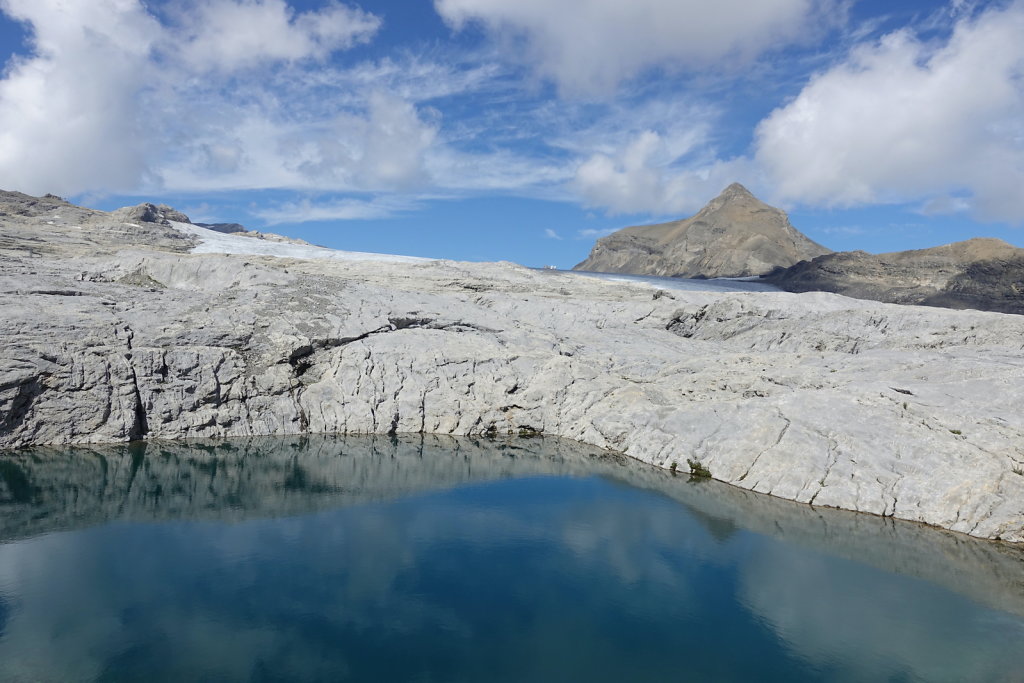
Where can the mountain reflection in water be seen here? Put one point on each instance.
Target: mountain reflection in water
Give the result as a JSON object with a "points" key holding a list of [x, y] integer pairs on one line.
{"points": [[398, 558]]}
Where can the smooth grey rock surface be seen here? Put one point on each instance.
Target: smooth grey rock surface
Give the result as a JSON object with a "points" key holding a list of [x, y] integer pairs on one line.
{"points": [[111, 332], [735, 235]]}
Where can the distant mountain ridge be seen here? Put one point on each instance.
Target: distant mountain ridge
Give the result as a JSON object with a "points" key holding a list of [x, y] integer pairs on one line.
{"points": [[981, 273], [735, 235]]}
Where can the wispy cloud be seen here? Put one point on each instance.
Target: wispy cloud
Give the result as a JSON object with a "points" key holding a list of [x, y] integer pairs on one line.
{"points": [[845, 230], [412, 77], [944, 205], [309, 210], [551, 234]]}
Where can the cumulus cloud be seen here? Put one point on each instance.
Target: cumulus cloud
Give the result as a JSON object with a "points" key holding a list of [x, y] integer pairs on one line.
{"points": [[112, 99], [905, 119], [589, 46], [69, 118], [640, 178]]}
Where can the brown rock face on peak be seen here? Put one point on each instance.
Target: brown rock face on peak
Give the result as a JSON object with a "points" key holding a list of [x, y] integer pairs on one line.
{"points": [[735, 235]]}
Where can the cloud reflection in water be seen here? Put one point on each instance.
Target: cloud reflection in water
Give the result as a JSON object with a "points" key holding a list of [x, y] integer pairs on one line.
{"points": [[390, 559]]}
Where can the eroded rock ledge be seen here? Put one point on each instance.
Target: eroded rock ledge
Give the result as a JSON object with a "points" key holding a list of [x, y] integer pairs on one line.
{"points": [[901, 411]]}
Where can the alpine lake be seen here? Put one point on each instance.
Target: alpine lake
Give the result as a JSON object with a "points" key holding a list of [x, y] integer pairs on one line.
{"points": [[420, 558]]}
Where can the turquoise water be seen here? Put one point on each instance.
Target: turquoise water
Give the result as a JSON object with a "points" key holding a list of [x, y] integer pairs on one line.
{"points": [[376, 559]]}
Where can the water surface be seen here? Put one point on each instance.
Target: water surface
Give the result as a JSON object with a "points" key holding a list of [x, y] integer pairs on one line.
{"points": [[434, 559]]}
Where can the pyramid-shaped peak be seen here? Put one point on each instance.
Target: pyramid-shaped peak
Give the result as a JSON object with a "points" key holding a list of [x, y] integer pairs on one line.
{"points": [[735, 190], [734, 235]]}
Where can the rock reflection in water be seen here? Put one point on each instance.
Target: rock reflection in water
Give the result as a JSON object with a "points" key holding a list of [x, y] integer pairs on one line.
{"points": [[317, 557]]}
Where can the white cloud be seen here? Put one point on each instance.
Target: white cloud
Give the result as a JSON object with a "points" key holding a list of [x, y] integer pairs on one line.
{"points": [[589, 46], [640, 177], [226, 95], [229, 34], [551, 234], [395, 142], [113, 100], [69, 118], [904, 119], [382, 148], [632, 182]]}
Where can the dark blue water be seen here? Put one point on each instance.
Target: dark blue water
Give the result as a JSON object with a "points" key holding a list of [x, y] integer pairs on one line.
{"points": [[376, 560]]}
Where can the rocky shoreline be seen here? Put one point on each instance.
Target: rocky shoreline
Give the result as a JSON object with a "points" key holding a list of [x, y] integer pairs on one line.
{"points": [[114, 332]]}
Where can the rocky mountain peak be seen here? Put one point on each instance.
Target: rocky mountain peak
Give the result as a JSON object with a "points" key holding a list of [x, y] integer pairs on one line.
{"points": [[734, 191], [734, 235], [737, 199]]}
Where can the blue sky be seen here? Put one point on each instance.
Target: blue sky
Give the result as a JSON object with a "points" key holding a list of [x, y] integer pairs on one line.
{"points": [[522, 129]]}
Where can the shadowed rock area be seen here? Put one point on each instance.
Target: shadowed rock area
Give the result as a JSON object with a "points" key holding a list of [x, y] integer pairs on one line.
{"points": [[735, 235], [983, 273], [113, 331]]}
